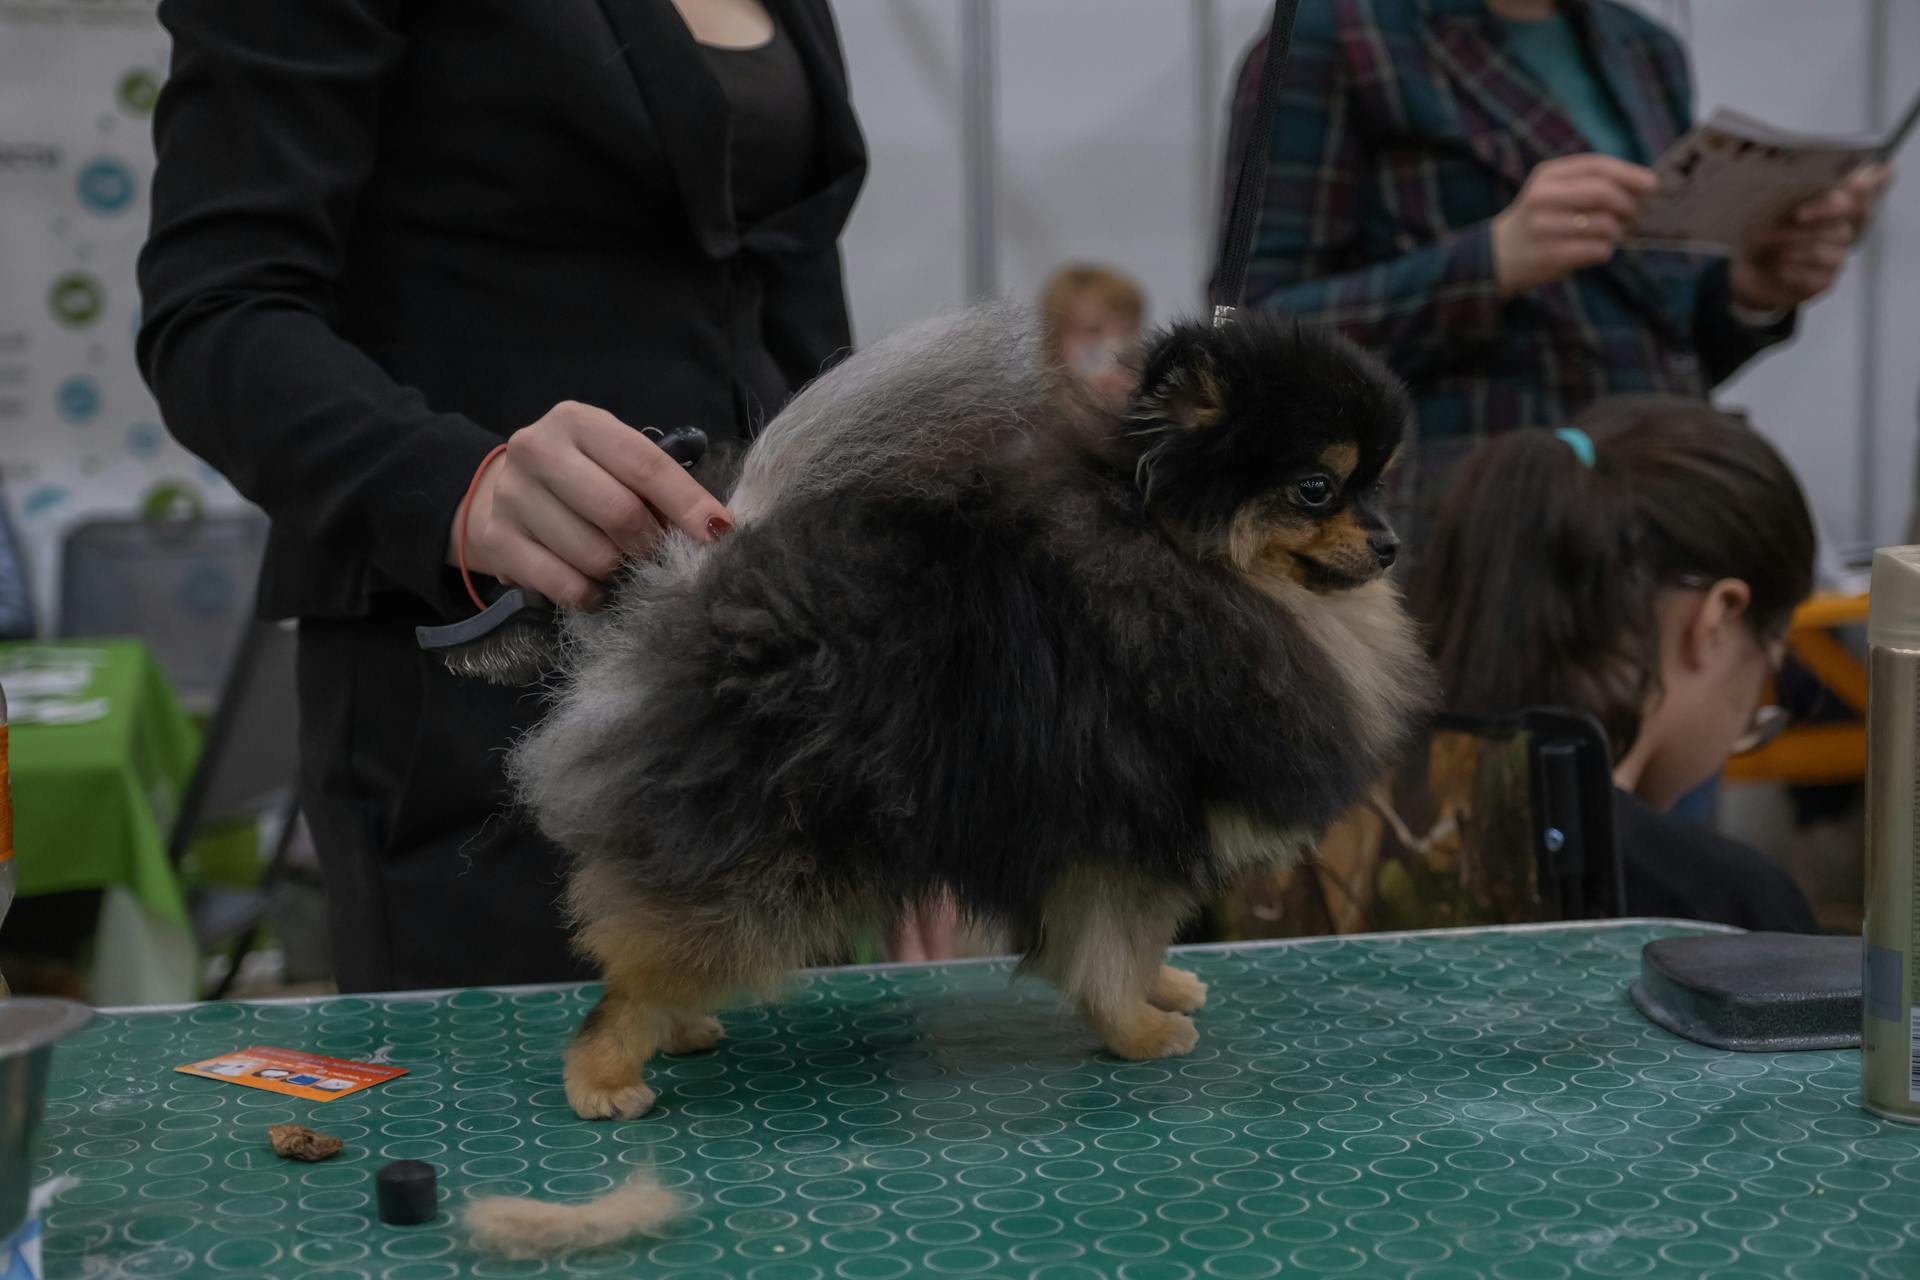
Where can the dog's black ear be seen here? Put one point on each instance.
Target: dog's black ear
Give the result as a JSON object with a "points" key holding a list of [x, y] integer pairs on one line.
{"points": [[1181, 384]]}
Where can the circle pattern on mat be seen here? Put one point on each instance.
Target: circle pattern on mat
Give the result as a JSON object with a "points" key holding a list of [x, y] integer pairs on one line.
{"points": [[1469, 1104]]}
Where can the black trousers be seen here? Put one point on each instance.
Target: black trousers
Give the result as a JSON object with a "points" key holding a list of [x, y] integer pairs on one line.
{"points": [[432, 879]]}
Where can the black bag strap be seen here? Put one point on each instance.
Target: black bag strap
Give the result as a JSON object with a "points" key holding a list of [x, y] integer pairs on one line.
{"points": [[1249, 189]]}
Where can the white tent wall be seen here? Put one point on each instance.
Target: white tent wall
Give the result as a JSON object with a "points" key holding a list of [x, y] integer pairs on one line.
{"points": [[1106, 135], [1841, 400]]}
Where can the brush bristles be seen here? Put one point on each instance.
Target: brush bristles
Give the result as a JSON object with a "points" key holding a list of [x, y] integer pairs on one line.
{"points": [[518, 653]]}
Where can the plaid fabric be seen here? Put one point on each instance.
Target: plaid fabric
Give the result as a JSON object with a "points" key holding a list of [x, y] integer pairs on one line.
{"points": [[1403, 129]]}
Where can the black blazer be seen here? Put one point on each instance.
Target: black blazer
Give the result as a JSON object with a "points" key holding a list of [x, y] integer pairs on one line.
{"points": [[386, 233]]}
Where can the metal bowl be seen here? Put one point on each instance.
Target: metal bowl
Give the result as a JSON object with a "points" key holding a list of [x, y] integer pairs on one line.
{"points": [[29, 1026]]}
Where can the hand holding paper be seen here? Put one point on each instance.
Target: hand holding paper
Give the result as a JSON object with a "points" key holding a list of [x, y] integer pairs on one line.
{"points": [[1736, 185], [1797, 257]]}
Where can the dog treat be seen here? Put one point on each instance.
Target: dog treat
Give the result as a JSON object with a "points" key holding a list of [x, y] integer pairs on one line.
{"points": [[520, 1229], [297, 1142], [408, 1193]]}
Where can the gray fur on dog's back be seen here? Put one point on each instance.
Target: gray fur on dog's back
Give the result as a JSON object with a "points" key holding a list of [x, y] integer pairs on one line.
{"points": [[891, 418], [903, 409]]}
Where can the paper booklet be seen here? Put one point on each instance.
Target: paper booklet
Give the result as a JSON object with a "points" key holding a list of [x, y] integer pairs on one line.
{"points": [[1733, 172]]}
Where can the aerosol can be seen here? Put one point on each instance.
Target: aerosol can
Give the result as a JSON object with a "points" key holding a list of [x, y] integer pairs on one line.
{"points": [[1890, 1023]]}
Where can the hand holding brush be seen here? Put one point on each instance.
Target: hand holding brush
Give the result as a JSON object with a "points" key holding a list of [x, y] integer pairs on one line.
{"points": [[551, 515]]}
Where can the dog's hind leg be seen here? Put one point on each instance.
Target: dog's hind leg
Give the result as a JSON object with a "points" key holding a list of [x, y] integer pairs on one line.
{"points": [[666, 968], [605, 1062], [1103, 940]]}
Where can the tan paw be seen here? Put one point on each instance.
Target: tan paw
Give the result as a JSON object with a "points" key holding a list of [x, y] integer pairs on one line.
{"points": [[1179, 991], [1151, 1033], [693, 1035], [623, 1102]]}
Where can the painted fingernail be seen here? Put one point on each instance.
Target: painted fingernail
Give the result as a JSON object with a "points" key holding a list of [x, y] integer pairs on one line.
{"points": [[718, 526]]}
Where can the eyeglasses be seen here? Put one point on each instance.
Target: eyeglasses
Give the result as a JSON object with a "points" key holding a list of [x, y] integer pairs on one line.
{"points": [[1765, 726]]}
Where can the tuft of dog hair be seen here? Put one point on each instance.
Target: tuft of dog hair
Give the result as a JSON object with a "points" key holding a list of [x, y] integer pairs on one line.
{"points": [[519, 1229], [975, 637]]}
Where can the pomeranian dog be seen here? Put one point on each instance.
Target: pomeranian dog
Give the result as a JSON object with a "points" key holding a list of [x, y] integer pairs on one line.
{"points": [[1076, 669]]}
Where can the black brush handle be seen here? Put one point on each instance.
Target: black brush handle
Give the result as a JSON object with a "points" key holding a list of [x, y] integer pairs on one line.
{"points": [[512, 602], [685, 445]]}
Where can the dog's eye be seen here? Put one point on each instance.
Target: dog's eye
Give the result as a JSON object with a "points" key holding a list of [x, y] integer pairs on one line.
{"points": [[1314, 491]]}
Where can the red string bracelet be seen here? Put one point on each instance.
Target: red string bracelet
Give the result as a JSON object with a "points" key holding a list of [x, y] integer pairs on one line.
{"points": [[466, 506]]}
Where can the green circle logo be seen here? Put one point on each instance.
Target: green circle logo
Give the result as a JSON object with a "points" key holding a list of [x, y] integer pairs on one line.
{"points": [[139, 90], [76, 299], [172, 500]]}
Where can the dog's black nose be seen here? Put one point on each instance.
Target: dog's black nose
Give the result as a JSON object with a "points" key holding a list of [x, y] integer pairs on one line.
{"points": [[1385, 548]]}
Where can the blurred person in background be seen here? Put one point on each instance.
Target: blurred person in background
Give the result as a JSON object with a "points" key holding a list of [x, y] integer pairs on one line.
{"points": [[1642, 567], [1451, 182], [1092, 318], [388, 239]]}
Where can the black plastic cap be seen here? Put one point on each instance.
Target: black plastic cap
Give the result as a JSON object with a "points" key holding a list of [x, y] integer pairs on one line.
{"points": [[408, 1192]]}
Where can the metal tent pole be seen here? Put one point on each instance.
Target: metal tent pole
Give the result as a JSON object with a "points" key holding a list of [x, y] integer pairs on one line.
{"points": [[979, 147]]}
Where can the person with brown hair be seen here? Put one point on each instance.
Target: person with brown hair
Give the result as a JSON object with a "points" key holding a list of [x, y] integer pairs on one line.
{"points": [[1091, 317], [1643, 567]]}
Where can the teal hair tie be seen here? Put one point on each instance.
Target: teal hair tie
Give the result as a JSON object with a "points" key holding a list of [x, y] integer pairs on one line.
{"points": [[1579, 441]]}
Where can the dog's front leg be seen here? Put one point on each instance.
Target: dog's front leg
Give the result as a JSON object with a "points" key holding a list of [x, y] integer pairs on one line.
{"points": [[1103, 942]]}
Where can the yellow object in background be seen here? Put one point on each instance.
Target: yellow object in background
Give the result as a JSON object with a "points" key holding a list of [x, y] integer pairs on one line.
{"points": [[1818, 754]]}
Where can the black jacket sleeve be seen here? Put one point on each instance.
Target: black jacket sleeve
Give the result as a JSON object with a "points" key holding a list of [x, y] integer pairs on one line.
{"points": [[266, 131]]}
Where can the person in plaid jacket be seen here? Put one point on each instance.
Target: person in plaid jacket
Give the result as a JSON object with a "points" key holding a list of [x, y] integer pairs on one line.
{"points": [[1450, 182]]}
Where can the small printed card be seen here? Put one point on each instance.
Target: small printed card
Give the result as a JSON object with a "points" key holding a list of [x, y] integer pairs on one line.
{"points": [[303, 1075]]}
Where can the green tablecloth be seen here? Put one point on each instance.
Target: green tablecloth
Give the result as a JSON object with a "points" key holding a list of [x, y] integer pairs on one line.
{"points": [[1468, 1104], [93, 802]]}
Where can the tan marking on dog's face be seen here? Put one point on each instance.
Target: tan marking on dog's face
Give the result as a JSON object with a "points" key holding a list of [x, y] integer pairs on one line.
{"points": [[1340, 460], [1264, 547]]}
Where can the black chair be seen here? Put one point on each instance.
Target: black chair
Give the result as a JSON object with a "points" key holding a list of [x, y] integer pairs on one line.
{"points": [[1492, 820], [248, 770], [185, 586]]}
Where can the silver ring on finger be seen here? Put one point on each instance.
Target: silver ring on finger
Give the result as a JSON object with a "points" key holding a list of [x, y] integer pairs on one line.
{"points": [[1581, 222]]}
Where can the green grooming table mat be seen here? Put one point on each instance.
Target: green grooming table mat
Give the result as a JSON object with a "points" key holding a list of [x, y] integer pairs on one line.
{"points": [[1475, 1103]]}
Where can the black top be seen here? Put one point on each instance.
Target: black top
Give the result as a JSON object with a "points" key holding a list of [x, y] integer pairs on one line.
{"points": [[1680, 869], [773, 144], [387, 233]]}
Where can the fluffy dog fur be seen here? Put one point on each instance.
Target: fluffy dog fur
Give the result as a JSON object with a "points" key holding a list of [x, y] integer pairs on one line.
{"points": [[971, 637], [518, 1229]]}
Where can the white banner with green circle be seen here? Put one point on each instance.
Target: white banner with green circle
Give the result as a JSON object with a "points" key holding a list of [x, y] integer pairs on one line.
{"points": [[79, 433]]}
